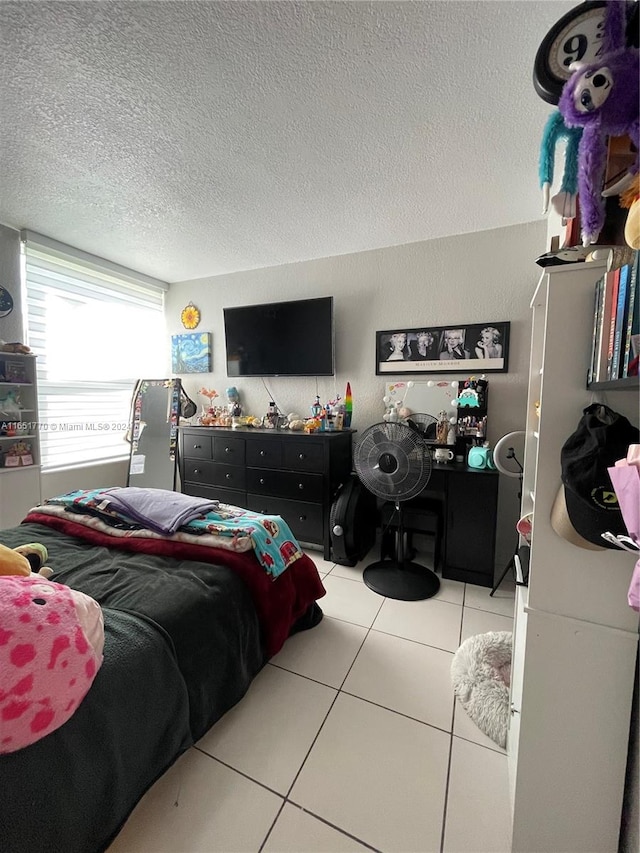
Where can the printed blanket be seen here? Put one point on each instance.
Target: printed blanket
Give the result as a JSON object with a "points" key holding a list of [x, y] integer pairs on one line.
{"points": [[229, 527]]}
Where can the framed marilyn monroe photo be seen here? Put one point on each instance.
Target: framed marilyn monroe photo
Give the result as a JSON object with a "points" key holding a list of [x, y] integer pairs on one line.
{"points": [[477, 348]]}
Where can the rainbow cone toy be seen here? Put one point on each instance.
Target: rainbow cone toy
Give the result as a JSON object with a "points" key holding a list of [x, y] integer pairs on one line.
{"points": [[348, 406]]}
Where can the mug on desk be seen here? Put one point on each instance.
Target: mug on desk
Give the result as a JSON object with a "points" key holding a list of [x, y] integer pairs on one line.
{"points": [[441, 454]]}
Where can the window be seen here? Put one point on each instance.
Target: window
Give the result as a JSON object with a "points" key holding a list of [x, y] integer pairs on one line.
{"points": [[96, 328]]}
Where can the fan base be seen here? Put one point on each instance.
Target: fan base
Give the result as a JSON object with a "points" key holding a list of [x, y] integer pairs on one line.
{"points": [[405, 582]]}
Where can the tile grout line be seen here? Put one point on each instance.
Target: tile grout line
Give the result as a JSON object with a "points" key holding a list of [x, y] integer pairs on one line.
{"points": [[334, 826], [448, 776], [271, 828], [239, 772], [335, 699]]}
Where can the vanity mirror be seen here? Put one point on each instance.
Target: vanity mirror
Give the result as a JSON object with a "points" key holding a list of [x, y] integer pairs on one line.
{"points": [[430, 397], [464, 404]]}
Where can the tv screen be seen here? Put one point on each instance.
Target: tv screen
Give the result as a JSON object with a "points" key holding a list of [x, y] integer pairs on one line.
{"points": [[280, 338]]}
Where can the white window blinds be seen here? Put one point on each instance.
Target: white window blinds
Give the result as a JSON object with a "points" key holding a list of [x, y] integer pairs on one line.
{"points": [[96, 328]]}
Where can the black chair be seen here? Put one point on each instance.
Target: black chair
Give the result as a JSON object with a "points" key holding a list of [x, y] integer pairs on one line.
{"points": [[421, 515]]}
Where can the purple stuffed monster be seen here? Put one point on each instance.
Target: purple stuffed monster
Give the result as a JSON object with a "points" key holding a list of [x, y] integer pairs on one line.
{"points": [[603, 98]]}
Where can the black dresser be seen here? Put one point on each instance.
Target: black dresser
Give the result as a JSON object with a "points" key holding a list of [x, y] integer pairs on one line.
{"points": [[275, 472]]}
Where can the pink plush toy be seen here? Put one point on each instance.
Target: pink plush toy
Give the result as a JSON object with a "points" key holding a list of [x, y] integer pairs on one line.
{"points": [[51, 642]]}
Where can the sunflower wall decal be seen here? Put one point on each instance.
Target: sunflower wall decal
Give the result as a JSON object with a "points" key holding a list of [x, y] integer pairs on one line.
{"points": [[190, 316]]}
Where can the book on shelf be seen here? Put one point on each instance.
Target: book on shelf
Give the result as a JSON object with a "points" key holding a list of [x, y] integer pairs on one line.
{"points": [[597, 310], [614, 275], [633, 317], [605, 284], [621, 320]]}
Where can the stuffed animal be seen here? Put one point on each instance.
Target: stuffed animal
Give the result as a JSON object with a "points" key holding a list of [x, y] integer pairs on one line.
{"points": [[25, 560], [602, 98], [51, 644], [16, 346]]}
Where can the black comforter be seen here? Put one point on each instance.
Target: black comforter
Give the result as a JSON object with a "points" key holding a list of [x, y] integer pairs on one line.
{"points": [[182, 644]]}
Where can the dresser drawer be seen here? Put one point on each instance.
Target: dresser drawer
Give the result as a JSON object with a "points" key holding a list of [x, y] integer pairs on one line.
{"points": [[303, 456], [217, 493], [304, 519], [285, 484], [198, 471], [215, 474], [228, 450], [264, 454], [229, 476], [197, 446]]}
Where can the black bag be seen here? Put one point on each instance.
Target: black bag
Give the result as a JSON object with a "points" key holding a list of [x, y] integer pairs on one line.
{"points": [[352, 522], [187, 407]]}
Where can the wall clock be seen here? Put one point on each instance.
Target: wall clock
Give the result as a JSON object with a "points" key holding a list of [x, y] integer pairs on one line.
{"points": [[6, 302], [576, 37], [190, 316]]}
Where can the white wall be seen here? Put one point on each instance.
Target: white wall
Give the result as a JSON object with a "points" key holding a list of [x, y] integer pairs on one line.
{"points": [[472, 278], [105, 475]]}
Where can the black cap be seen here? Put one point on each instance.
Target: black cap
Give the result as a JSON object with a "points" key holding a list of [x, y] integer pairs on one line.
{"points": [[589, 503]]}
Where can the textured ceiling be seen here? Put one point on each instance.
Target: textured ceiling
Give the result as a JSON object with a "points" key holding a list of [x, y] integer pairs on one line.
{"points": [[187, 139]]}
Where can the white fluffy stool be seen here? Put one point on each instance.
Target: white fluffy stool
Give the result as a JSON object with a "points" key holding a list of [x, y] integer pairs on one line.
{"points": [[481, 674]]}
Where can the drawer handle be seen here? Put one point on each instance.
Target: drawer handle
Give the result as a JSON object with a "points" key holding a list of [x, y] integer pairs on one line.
{"points": [[302, 518], [262, 453], [301, 456], [262, 481], [300, 486], [227, 450], [227, 476], [197, 447], [196, 471]]}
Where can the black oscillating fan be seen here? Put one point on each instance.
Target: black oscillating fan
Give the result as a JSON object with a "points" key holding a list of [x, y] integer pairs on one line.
{"points": [[393, 461]]}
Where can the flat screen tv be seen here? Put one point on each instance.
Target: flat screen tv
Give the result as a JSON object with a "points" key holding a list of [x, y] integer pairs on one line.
{"points": [[280, 338]]}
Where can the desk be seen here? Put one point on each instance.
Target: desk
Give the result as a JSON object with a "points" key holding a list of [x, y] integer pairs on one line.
{"points": [[469, 505]]}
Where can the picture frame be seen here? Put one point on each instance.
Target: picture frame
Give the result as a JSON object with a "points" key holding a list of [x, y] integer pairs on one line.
{"points": [[456, 348], [191, 353]]}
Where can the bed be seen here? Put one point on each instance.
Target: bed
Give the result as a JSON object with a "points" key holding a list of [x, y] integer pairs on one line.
{"points": [[187, 628]]}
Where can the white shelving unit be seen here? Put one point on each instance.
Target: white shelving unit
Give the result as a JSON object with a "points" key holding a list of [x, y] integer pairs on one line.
{"points": [[19, 429], [575, 637]]}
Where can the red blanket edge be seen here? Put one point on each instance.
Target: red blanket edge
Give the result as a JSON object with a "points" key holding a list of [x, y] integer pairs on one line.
{"points": [[279, 602]]}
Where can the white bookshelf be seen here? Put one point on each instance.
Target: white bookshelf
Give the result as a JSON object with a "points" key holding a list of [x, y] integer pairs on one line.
{"points": [[575, 637]]}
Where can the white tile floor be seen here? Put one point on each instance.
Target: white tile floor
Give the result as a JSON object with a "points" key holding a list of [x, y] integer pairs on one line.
{"points": [[349, 739]]}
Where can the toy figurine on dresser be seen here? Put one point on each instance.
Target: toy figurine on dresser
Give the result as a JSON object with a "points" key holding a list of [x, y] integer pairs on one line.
{"points": [[233, 397]]}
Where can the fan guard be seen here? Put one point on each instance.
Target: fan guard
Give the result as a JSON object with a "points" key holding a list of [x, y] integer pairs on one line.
{"points": [[392, 461]]}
